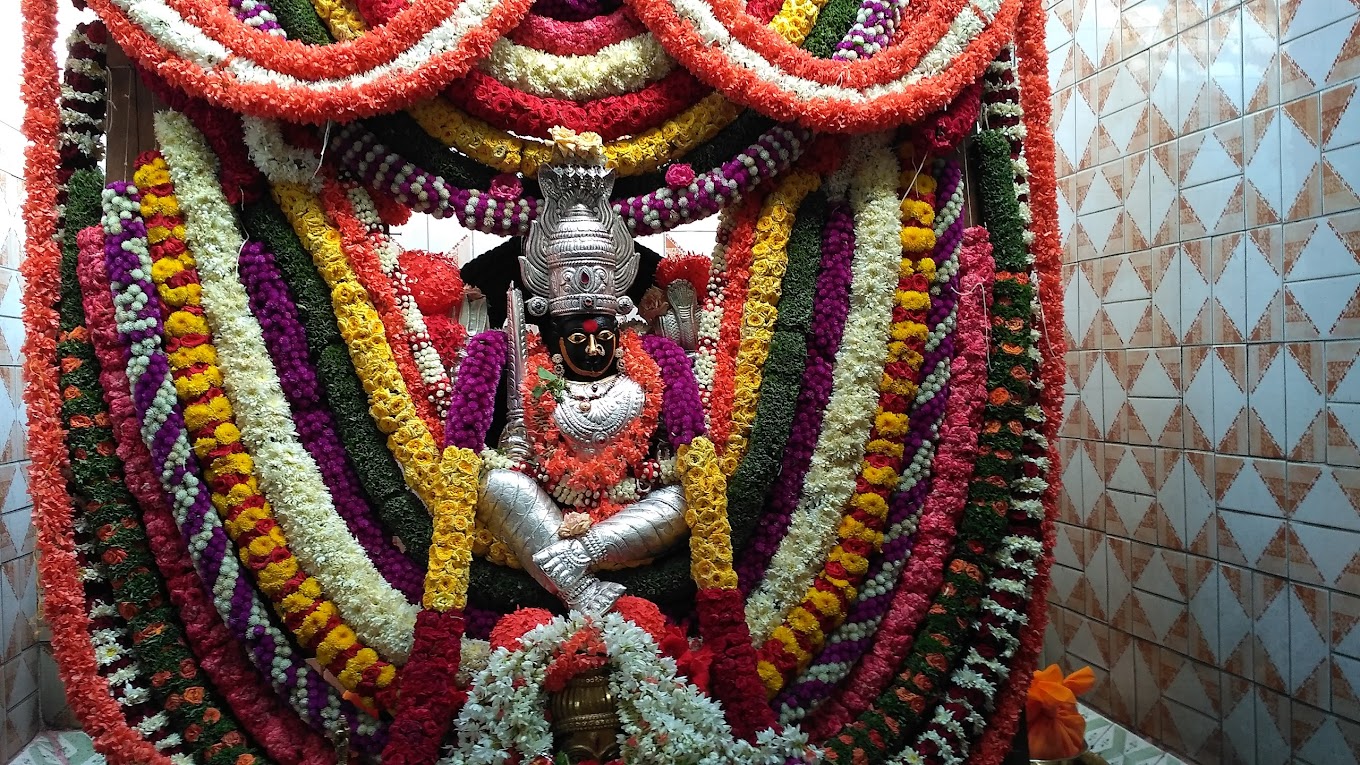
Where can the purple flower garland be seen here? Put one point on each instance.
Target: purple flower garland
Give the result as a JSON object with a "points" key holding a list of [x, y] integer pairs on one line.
{"points": [[654, 212], [284, 336], [257, 14], [140, 329], [681, 410], [474, 396], [850, 642], [830, 307]]}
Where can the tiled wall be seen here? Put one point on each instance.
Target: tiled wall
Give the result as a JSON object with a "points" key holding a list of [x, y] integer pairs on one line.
{"points": [[1209, 162]]}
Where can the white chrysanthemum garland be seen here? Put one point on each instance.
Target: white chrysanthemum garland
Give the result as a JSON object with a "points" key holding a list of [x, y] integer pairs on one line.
{"points": [[664, 718], [854, 392], [624, 67], [379, 614]]}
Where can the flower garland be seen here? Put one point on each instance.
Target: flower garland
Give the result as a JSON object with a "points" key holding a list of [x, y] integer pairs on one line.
{"points": [[431, 696], [342, 18], [769, 260], [848, 643], [70, 181], [574, 38], [504, 711], [246, 690], [285, 339], [849, 415], [208, 417], [300, 22], [874, 27], [623, 67], [939, 133], [833, 23], [659, 210], [582, 481], [830, 306], [887, 724], [1034, 167], [627, 114], [429, 359], [639, 154], [681, 410], [258, 14], [364, 253], [711, 314], [803, 632], [360, 326], [949, 48], [203, 49], [795, 19], [474, 400], [143, 618], [378, 473], [63, 601], [379, 615], [436, 290], [736, 264], [574, 10], [164, 434]]}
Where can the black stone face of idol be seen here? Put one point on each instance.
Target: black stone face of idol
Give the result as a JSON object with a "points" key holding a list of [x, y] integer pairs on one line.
{"points": [[587, 344]]}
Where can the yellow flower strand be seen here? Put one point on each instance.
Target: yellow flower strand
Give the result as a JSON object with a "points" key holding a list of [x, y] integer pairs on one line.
{"points": [[243, 508], [796, 18], [639, 154], [362, 329], [446, 580], [710, 539], [769, 260], [341, 17]]}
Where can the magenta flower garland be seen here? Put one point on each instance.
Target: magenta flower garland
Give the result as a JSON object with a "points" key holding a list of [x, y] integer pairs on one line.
{"points": [[831, 305], [474, 397], [272, 304], [681, 410]]}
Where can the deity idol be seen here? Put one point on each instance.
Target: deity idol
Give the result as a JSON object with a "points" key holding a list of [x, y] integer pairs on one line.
{"points": [[589, 490]]}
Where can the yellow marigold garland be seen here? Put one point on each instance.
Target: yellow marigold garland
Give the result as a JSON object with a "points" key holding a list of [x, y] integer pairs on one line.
{"points": [[861, 529], [710, 541], [247, 515], [628, 156], [362, 329], [446, 581], [769, 259], [342, 18]]}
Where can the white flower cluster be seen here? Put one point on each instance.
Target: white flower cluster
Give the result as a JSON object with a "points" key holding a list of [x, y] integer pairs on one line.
{"points": [[854, 392], [623, 67], [664, 718], [379, 614]]}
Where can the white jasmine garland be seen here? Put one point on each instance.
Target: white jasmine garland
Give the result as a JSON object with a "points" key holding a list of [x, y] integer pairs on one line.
{"points": [[623, 67], [379, 614], [850, 410], [664, 718]]}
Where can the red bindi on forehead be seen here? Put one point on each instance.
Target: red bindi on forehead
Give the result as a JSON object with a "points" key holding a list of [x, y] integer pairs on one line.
{"points": [[590, 325]]}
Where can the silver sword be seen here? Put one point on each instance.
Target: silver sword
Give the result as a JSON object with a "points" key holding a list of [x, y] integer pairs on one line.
{"points": [[515, 435]]}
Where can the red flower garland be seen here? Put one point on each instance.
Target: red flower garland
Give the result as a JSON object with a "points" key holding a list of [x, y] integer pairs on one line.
{"points": [[738, 265], [576, 38], [430, 697], [506, 108], [63, 592], [732, 675], [358, 248]]}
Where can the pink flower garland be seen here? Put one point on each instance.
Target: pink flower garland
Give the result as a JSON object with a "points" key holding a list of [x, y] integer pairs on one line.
{"points": [[576, 38], [939, 519]]}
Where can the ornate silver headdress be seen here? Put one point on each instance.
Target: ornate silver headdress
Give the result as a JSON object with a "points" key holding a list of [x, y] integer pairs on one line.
{"points": [[579, 256]]}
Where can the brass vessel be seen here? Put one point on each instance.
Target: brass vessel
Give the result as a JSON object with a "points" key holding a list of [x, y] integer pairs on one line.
{"points": [[585, 722]]}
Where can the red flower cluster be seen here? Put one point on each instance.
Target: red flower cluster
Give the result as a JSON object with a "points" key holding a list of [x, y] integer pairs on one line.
{"points": [[940, 132], [722, 624], [430, 698]]}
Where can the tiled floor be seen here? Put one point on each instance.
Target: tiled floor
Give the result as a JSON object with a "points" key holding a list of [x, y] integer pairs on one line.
{"points": [[70, 747], [1117, 745], [1120, 747]]}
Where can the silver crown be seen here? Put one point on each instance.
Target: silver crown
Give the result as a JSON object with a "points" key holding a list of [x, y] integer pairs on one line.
{"points": [[579, 254]]}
